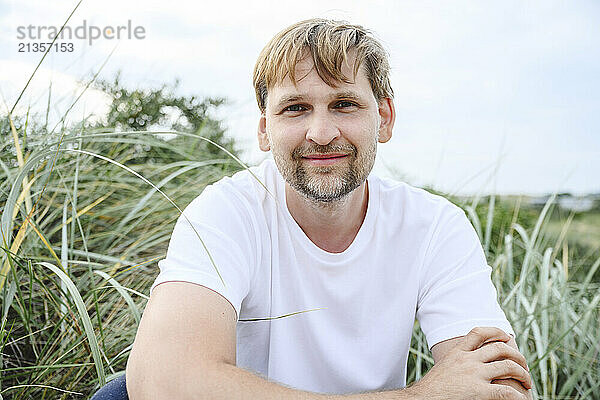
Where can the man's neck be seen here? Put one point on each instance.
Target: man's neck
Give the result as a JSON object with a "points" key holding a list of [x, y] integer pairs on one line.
{"points": [[332, 226]]}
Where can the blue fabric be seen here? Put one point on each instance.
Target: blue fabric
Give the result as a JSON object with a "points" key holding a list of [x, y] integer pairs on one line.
{"points": [[113, 390]]}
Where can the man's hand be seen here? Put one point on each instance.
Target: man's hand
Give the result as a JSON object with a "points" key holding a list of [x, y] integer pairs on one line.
{"points": [[481, 366]]}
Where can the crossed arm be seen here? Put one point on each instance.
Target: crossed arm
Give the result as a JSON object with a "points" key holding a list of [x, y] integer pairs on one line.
{"points": [[186, 351]]}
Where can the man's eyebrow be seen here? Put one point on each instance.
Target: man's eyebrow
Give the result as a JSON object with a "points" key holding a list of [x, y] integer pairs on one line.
{"points": [[347, 95], [289, 99]]}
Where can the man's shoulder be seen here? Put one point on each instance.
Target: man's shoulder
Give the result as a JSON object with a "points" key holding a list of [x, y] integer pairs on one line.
{"points": [[263, 175], [248, 187], [399, 196]]}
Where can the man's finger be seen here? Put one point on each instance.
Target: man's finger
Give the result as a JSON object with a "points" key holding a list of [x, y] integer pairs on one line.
{"points": [[481, 335], [501, 392], [500, 351], [513, 384], [507, 369]]}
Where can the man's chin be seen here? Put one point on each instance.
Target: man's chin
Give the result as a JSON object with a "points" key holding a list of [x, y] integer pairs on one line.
{"points": [[325, 192], [323, 198]]}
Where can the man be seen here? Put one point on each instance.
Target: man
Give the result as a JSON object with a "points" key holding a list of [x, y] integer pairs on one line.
{"points": [[314, 231]]}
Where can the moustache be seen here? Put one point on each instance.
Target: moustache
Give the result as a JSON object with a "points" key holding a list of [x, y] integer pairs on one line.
{"points": [[300, 152]]}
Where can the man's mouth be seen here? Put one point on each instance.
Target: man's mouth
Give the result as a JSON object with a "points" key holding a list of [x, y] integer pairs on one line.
{"points": [[327, 155], [324, 159]]}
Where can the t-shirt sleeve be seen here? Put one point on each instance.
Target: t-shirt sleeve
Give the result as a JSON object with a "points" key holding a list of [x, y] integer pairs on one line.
{"points": [[211, 245], [456, 293]]}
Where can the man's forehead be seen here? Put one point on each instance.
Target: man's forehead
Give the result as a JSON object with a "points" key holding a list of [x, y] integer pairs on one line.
{"points": [[301, 89]]}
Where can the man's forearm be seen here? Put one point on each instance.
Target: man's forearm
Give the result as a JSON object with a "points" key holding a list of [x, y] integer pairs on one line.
{"points": [[233, 383], [228, 382]]}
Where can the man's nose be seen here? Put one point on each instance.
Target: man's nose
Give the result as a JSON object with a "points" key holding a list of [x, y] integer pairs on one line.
{"points": [[322, 129]]}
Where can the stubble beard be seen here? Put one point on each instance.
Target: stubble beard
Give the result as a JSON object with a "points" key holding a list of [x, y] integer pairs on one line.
{"points": [[326, 184]]}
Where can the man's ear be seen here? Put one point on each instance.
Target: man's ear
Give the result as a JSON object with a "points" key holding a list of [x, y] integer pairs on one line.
{"points": [[263, 138], [387, 112]]}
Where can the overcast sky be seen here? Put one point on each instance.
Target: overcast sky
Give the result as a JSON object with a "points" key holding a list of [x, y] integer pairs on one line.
{"points": [[490, 96]]}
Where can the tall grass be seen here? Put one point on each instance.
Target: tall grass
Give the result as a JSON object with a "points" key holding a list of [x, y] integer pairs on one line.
{"points": [[84, 220]]}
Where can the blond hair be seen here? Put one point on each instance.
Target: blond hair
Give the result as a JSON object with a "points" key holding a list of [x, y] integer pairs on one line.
{"points": [[328, 43]]}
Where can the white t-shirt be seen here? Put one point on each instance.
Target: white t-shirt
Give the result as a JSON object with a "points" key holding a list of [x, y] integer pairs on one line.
{"points": [[416, 256]]}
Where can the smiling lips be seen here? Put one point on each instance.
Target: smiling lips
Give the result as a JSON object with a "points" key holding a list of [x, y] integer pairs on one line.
{"points": [[324, 159]]}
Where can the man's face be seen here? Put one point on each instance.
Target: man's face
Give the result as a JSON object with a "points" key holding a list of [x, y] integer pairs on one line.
{"points": [[324, 139]]}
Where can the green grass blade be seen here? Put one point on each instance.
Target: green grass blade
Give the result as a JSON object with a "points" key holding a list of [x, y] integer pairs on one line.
{"points": [[123, 293], [84, 317]]}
